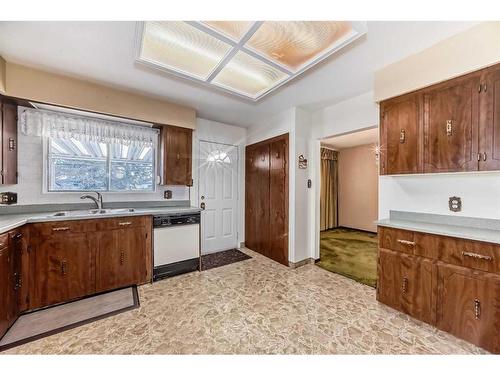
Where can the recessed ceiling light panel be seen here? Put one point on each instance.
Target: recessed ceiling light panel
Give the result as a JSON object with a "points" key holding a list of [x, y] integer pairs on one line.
{"points": [[232, 29], [294, 44], [181, 47], [249, 76]]}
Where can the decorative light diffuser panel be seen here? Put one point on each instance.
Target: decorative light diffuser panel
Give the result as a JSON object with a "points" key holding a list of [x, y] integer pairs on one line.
{"points": [[249, 59]]}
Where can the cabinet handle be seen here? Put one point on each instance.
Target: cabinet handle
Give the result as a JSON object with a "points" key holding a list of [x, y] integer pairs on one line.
{"points": [[404, 285], [2, 244], [477, 309], [63, 268], [484, 156], [402, 136], [448, 128], [60, 229], [12, 144], [124, 223], [178, 156], [122, 257], [477, 256], [406, 242]]}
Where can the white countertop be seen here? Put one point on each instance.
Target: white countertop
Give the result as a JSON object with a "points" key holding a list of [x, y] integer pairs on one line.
{"points": [[9, 222]]}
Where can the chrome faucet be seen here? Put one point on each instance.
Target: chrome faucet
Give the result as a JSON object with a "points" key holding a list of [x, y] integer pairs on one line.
{"points": [[97, 201]]}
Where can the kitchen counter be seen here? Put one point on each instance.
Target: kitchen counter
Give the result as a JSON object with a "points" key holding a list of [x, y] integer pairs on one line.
{"points": [[12, 221], [478, 229]]}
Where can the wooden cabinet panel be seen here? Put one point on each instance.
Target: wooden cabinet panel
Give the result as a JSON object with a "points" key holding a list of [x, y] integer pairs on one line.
{"points": [[121, 258], [9, 144], [451, 125], [177, 155], [489, 137], [123, 222], [63, 228], [389, 279], [396, 239], [64, 269], [469, 305], [9, 301], [401, 136]]}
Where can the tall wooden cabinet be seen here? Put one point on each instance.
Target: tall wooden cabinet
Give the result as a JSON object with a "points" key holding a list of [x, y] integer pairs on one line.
{"points": [[266, 198], [452, 126], [8, 142], [176, 144]]}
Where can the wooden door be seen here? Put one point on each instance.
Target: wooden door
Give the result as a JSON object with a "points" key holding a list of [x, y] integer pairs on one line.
{"points": [[9, 144], [469, 305], [451, 125], [251, 182], [177, 156], [278, 185], [418, 277], [489, 134], [64, 268], [9, 302], [121, 258], [262, 199], [400, 135], [389, 284]]}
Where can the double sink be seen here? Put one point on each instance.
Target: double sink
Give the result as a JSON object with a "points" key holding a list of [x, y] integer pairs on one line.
{"points": [[83, 213]]}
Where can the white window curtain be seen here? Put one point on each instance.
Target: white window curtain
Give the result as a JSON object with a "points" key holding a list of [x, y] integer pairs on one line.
{"points": [[43, 123]]}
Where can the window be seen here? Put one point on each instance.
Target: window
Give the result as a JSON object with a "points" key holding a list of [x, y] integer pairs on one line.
{"points": [[78, 165]]}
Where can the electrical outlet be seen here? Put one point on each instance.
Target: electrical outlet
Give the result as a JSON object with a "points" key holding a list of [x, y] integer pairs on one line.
{"points": [[167, 194], [455, 204]]}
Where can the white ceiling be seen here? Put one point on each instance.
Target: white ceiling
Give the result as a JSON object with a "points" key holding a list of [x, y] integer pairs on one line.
{"points": [[363, 137], [104, 52]]}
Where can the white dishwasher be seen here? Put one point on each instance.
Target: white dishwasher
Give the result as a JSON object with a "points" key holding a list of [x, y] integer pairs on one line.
{"points": [[176, 244]]}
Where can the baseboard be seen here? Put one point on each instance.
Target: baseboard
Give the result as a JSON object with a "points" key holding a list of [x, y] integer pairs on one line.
{"points": [[359, 230], [301, 263]]}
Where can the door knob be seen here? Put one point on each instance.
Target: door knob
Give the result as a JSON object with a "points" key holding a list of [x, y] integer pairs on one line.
{"points": [[202, 197], [202, 205]]}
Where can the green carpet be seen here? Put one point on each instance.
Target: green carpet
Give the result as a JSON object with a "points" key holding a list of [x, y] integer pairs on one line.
{"points": [[350, 253]]}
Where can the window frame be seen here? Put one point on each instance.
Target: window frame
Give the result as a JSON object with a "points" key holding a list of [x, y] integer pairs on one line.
{"points": [[46, 173]]}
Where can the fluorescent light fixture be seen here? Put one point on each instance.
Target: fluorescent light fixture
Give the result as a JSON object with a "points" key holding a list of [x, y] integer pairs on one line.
{"points": [[248, 59]]}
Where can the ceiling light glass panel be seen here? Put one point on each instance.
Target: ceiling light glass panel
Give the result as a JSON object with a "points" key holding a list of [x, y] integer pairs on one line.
{"points": [[233, 29], [181, 47], [296, 43], [249, 76]]}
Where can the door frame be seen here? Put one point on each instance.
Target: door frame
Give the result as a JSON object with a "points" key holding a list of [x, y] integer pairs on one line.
{"points": [[237, 245]]}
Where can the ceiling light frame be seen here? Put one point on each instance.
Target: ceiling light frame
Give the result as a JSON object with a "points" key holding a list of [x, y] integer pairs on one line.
{"points": [[358, 30]]}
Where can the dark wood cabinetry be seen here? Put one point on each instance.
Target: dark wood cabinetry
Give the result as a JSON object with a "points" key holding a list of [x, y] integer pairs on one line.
{"points": [[266, 198], [176, 145], [452, 126], [8, 142], [448, 282]]}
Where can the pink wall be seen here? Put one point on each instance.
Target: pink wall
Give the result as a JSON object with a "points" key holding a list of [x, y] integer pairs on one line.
{"points": [[358, 188]]}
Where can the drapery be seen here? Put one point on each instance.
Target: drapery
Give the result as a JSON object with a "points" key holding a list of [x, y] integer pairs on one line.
{"points": [[329, 189], [52, 124]]}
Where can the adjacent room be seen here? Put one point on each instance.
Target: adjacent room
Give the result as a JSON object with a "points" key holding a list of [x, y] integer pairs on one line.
{"points": [[251, 186], [349, 205]]}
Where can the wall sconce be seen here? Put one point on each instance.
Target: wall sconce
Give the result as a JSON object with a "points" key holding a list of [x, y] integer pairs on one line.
{"points": [[302, 162]]}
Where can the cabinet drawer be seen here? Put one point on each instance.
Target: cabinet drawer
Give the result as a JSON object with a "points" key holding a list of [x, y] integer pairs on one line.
{"points": [[122, 222], [466, 253], [64, 227], [396, 239], [4, 240]]}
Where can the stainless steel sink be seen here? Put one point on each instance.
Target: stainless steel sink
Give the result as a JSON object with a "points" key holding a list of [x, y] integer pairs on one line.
{"points": [[108, 211]]}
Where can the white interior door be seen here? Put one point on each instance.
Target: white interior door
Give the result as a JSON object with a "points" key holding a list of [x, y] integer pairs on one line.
{"points": [[218, 192]]}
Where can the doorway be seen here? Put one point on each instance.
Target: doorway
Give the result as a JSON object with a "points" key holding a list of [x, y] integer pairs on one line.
{"points": [[349, 205], [218, 191]]}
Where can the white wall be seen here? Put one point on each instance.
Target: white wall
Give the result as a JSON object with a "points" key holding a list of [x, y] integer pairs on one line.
{"points": [[212, 131]]}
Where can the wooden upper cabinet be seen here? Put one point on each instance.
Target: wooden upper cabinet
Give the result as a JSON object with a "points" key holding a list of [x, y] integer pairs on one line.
{"points": [[400, 136], [489, 136], [8, 124], [177, 155]]}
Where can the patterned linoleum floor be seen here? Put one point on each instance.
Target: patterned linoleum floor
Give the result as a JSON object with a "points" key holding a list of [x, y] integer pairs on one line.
{"points": [[351, 253], [255, 306]]}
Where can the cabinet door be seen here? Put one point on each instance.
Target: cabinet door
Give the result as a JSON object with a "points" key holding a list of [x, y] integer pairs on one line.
{"points": [[451, 125], [263, 203], [389, 284], [9, 301], [418, 287], [121, 258], [177, 156], [64, 269], [469, 305], [9, 144], [400, 137], [489, 136], [278, 237]]}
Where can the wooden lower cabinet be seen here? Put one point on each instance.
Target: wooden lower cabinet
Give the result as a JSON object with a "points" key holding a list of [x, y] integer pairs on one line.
{"points": [[121, 258], [469, 305], [64, 269]]}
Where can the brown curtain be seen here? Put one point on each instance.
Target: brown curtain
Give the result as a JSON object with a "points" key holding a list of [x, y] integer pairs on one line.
{"points": [[329, 189]]}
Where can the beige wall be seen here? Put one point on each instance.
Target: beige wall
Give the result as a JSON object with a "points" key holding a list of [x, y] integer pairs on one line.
{"points": [[462, 53], [37, 85], [358, 188], [2, 75]]}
